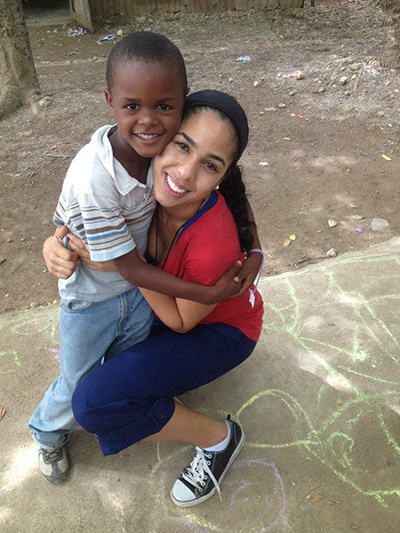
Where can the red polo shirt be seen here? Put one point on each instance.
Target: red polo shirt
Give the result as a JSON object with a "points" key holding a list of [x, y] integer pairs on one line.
{"points": [[207, 247]]}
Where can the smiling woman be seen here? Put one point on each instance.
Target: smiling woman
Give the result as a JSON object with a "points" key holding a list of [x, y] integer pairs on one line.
{"points": [[194, 236]]}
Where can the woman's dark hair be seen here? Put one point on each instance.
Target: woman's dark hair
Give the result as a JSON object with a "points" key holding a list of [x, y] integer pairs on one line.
{"points": [[232, 187]]}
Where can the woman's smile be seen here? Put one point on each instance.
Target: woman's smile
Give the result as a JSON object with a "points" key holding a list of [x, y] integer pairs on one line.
{"points": [[173, 187]]}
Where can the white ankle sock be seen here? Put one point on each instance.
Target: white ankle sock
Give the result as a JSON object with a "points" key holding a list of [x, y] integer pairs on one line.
{"points": [[220, 446]]}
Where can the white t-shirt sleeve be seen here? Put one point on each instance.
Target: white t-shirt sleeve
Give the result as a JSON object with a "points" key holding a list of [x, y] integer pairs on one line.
{"points": [[99, 222]]}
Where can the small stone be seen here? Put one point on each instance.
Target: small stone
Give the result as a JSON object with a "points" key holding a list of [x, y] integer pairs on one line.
{"points": [[45, 102], [379, 224], [354, 67], [269, 109], [332, 223], [255, 84], [23, 239], [261, 112], [120, 33], [2, 260], [9, 239], [292, 93], [230, 80], [332, 252], [34, 305], [321, 90], [299, 75], [381, 114], [347, 93], [343, 80], [282, 106]]}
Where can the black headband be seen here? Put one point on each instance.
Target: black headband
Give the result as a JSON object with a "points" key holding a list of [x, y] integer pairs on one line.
{"points": [[228, 105]]}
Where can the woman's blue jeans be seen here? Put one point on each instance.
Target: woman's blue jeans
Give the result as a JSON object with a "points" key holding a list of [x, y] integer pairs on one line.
{"points": [[131, 396]]}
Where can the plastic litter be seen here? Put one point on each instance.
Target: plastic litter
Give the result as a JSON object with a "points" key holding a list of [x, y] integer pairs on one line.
{"points": [[109, 37], [244, 59], [292, 237], [386, 157], [332, 223], [264, 164], [76, 32], [360, 229]]}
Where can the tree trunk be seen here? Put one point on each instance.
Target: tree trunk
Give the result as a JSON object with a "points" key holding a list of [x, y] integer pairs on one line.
{"points": [[18, 80], [391, 44]]}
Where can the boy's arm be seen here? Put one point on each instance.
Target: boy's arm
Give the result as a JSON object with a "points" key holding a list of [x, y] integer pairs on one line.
{"points": [[146, 276], [248, 273]]}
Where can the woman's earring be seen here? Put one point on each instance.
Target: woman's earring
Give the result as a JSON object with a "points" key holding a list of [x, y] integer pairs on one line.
{"points": [[217, 187]]}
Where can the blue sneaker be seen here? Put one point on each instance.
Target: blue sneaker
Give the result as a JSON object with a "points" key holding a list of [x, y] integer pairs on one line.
{"points": [[202, 478], [53, 464]]}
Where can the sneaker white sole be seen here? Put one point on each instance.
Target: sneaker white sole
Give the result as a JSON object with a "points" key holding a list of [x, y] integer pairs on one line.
{"points": [[202, 499]]}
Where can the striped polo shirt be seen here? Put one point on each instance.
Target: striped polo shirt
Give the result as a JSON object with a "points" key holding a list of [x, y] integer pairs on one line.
{"points": [[109, 210]]}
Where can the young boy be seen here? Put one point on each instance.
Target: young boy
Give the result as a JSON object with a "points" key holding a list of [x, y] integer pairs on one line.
{"points": [[107, 200]]}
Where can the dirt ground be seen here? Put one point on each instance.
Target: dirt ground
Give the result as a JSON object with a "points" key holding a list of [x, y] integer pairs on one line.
{"points": [[316, 143]]}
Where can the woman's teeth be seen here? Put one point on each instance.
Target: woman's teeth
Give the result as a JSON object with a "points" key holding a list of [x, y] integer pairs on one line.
{"points": [[174, 187]]}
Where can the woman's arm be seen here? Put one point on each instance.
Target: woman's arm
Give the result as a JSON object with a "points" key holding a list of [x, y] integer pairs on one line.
{"points": [[248, 273], [60, 262], [176, 313]]}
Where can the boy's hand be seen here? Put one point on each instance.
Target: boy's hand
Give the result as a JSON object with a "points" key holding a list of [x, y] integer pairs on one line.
{"points": [[59, 261], [248, 273], [226, 286]]}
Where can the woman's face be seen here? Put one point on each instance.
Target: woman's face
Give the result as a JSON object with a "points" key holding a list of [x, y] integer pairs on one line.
{"points": [[194, 162]]}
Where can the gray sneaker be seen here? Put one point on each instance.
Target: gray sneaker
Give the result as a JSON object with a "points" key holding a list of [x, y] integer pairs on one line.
{"points": [[53, 464], [202, 478]]}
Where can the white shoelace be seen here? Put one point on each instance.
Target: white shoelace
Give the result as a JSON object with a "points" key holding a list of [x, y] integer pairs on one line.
{"points": [[199, 467]]}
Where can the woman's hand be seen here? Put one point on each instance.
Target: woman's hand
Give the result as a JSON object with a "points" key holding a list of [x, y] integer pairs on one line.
{"points": [[60, 262], [248, 273], [79, 247]]}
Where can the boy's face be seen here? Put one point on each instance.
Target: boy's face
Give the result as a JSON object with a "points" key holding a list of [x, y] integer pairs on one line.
{"points": [[146, 101]]}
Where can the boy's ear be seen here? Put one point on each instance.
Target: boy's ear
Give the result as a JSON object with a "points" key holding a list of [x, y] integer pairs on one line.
{"points": [[109, 101], [187, 91]]}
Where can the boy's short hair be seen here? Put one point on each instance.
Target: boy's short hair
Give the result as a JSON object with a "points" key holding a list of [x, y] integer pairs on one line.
{"points": [[148, 47]]}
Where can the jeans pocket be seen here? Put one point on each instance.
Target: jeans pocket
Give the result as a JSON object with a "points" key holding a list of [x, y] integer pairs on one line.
{"points": [[75, 306]]}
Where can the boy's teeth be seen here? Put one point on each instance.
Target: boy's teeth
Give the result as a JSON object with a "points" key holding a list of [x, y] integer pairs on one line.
{"points": [[146, 137], [174, 187]]}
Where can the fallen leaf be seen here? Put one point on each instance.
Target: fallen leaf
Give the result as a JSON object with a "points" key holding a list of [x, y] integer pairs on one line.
{"points": [[333, 502], [386, 157], [286, 242], [287, 139], [339, 401], [299, 116], [357, 217], [53, 147], [317, 498], [3, 411], [315, 487], [308, 496]]}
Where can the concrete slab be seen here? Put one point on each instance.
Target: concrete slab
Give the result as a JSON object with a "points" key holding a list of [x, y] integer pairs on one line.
{"points": [[319, 401]]}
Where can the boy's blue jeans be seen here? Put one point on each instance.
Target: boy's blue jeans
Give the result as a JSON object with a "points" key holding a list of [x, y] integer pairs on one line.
{"points": [[88, 332]]}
